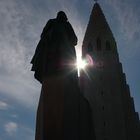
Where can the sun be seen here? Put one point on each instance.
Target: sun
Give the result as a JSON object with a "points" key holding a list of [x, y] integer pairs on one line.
{"points": [[81, 64], [84, 63]]}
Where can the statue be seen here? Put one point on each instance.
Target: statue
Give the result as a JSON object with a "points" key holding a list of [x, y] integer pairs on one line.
{"points": [[61, 105], [55, 49]]}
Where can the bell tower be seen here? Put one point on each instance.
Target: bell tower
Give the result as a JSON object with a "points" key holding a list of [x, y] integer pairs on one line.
{"points": [[104, 84]]}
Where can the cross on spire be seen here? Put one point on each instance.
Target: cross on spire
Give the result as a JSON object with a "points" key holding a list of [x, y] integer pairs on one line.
{"points": [[96, 1]]}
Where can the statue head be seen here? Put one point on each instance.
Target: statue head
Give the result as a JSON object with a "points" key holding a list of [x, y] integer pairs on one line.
{"points": [[61, 16]]}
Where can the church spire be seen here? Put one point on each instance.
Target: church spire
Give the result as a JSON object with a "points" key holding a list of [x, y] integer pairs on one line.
{"points": [[96, 1], [104, 83], [97, 27]]}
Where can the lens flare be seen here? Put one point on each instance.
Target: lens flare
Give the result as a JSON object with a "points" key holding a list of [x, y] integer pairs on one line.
{"points": [[81, 64], [89, 60]]}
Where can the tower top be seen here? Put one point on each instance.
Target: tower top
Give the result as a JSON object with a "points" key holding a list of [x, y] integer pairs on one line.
{"points": [[97, 28], [96, 1], [97, 25]]}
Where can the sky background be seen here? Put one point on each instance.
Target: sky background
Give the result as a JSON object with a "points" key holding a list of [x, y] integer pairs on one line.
{"points": [[21, 23]]}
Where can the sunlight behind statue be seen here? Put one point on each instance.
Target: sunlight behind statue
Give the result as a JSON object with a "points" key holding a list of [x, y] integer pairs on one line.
{"points": [[63, 113], [55, 52]]}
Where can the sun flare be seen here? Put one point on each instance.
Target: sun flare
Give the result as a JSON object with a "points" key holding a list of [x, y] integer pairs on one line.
{"points": [[81, 64]]}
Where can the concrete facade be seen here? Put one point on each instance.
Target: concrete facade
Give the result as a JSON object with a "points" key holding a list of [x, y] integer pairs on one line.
{"points": [[104, 84]]}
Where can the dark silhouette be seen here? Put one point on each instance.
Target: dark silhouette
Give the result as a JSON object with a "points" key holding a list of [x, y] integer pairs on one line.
{"points": [[55, 50], [63, 113], [104, 83]]}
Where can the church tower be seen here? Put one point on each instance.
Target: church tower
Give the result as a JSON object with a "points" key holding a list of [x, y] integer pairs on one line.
{"points": [[104, 84]]}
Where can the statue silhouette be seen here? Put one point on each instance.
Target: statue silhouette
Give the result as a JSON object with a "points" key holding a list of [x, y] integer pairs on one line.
{"points": [[55, 51], [63, 113]]}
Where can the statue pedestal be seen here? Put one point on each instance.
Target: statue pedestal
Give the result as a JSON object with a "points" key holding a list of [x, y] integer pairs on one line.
{"points": [[63, 113]]}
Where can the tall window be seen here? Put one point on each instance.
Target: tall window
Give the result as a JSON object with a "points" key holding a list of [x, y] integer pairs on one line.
{"points": [[108, 47], [98, 42], [89, 48]]}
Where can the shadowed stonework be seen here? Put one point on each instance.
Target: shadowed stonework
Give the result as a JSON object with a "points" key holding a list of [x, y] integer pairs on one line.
{"points": [[104, 83], [100, 107], [63, 112]]}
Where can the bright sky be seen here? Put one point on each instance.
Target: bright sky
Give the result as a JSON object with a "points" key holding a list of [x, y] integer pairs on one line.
{"points": [[21, 23]]}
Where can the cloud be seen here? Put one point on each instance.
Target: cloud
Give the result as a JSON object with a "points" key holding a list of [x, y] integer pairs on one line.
{"points": [[20, 27], [3, 105], [16, 79], [127, 13], [11, 128], [23, 90], [14, 116], [16, 131], [13, 52]]}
